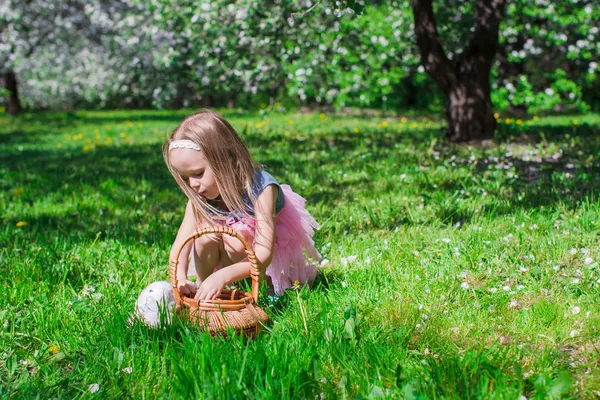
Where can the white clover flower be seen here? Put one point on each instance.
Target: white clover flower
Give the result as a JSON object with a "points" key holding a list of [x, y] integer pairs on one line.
{"points": [[93, 388], [446, 240], [348, 260], [464, 285], [573, 333], [588, 261], [127, 370], [513, 304], [575, 310], [573, 251]]}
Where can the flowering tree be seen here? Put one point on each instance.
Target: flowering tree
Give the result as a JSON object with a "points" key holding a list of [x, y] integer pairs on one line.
{"points": [[162, 53], [59, 44]]}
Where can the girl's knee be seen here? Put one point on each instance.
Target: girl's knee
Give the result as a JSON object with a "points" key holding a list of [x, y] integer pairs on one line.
{"points": [[207, 243], [233, 245]]}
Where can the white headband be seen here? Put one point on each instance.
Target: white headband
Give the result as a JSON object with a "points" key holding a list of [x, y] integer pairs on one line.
{"points": [[183, 144]]}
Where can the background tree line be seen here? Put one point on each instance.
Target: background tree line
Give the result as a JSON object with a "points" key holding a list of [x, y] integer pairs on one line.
{"points": [[161, 53]]}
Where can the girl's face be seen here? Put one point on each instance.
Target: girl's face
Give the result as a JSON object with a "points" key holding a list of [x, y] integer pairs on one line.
{"points": [[193, 167]]}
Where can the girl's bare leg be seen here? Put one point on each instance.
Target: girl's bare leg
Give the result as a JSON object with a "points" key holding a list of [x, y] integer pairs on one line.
{"points": [[207, 254]]}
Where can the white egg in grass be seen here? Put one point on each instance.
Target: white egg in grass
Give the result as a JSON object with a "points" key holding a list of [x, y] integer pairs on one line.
{"points": [[157, 297]]}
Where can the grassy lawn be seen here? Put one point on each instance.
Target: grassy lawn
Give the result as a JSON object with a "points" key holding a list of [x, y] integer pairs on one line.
{"points": [[452, 271]]}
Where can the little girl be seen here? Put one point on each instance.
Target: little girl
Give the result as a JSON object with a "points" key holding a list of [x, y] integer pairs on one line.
{"points": [[224, 186]]}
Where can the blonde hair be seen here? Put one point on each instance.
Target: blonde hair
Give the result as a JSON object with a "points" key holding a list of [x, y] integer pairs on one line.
{"points": [[229, 160]]}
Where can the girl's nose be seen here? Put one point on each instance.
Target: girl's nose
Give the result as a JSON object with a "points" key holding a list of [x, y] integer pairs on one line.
{"points": [[194, 183]]}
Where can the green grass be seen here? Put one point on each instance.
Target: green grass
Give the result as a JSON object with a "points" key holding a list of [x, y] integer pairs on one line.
{"points": [[468, 271]]}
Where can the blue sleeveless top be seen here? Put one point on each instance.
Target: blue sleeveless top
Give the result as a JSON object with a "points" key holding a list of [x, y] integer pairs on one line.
{"points": [[260, 181]]}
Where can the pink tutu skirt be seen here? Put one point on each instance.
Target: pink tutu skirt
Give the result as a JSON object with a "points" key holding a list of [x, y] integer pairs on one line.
{"points": [[294, 256]]}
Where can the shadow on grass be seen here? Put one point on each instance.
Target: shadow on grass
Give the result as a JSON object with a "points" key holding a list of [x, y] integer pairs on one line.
{"points": [[568, 177], [126, 192]]}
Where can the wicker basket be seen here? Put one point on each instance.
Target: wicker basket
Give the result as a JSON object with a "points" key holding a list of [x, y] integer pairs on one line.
{"points": [[233, 308]]}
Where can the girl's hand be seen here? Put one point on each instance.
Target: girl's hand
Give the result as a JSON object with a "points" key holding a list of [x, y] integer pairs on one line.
{"points": [[186, 288], [211, 288]]}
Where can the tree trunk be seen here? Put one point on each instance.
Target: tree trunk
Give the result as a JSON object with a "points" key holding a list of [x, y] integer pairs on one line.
{"points": [[10, 83], [465, 81], [470, 116]]}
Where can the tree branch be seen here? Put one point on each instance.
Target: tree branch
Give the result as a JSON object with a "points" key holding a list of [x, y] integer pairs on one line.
{"points": [[433, 57], [484, 40]]}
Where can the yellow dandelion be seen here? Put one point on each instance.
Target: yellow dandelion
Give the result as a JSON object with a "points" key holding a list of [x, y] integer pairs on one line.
{"points": [[54, 349], [413, 125], [122, 134], [277, 105], [535, 117], [262, 105], [355, 130], [86, 147], [21, 223], [290, 122], [322, 116], [403, 120], [59, 145], [496, 115], [575, 122], [384, 123], [508, 120], [19, 191], [519, 122]]}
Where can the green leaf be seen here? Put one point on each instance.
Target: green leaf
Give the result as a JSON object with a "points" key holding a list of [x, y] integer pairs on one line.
{"points": [[349, 329], [376, 393], [560, 385]]}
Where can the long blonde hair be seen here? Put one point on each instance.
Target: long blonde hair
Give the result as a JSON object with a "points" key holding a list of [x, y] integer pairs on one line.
{"points": [[229, 159]]}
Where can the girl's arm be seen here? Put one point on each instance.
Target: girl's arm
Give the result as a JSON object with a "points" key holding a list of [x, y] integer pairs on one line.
{"points": [[264, 243], [188, 225]]}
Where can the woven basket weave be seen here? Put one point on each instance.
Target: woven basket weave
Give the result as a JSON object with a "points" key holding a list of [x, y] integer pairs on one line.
{"points": [[233, 308]]}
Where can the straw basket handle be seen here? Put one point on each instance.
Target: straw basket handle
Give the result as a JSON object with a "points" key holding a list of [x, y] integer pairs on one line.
{"points": [[254, 271]]}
